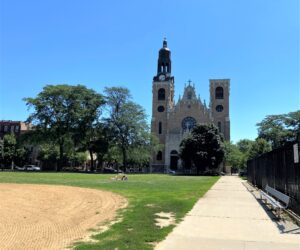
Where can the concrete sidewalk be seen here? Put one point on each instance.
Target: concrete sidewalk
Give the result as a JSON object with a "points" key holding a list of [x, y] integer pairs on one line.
{"points": [[230, 217]]}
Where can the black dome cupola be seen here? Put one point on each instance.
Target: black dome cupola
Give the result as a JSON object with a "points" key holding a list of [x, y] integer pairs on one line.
{"points": [[165, 44], [164, 60]]}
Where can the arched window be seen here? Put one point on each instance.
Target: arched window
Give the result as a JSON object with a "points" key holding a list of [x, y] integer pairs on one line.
{"points": [[159, 156], [159, 128], [174, 152], [161, 94], [219, 94], [220, 127]]}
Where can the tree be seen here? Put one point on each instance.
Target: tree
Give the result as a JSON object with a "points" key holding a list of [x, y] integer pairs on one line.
{"points": [[49, 155], [279, 129], [22, 155], [140, 155], [100, 146], [95, 140], [234, 156], [78, 159], [187, 152], [259, 147], [126, 121], [203, 148], [244, 145], [64, 113], [9, 149], [292, 121], [1, 153], [113, 156]]}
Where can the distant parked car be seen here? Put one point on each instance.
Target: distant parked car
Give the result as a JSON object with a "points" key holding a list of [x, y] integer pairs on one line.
{"points": [[19, 168], [243, 172], [211, 172], [31, 168], [109, 170], [170, 171]]}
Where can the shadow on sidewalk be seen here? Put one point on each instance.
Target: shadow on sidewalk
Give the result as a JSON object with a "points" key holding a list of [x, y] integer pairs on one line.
{"points": [[284, 225]]}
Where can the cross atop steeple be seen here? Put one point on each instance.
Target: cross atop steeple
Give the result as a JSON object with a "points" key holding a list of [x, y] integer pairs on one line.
{"points": [[189, 81]]}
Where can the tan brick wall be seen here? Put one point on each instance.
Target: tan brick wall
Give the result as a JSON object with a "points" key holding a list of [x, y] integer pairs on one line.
{"points": [[172, 132], [157, 117], [223, 116]]}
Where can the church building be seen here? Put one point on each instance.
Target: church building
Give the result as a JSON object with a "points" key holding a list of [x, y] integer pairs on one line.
{"points": [[172, 121]]}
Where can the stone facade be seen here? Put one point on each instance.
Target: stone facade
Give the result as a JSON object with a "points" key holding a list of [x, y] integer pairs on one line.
{"points": [[172, 121]]}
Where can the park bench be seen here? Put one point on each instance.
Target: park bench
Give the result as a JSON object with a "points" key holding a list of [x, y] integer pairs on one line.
{"points": [[276, 199]]}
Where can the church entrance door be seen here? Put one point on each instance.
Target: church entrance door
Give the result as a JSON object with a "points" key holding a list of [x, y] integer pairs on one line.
{"points": [[174, 160]]}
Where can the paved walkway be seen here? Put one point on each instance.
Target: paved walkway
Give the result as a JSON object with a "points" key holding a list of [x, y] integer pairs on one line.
{"points": [[229, 217]]}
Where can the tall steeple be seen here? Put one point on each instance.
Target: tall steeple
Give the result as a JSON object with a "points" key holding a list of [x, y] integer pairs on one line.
{"points": [[164, 60]]}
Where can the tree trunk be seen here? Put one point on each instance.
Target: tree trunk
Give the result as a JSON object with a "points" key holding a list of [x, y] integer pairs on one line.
{"points": [[100, 163], [124, 153], [61, 156], [92, 160]]}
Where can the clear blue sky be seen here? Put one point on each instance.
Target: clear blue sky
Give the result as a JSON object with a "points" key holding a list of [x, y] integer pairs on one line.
{"points": [[98, 43]]}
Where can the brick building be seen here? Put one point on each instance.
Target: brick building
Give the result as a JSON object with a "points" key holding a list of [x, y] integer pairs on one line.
{"points": [[16, 127]]}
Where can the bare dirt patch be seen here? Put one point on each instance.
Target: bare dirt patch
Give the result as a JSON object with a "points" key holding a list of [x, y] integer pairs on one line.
{"points": [[164, 219], [52, 217]]}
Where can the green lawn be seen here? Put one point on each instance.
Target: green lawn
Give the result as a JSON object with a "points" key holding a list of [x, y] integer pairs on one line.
{"points": [[137, 230]]}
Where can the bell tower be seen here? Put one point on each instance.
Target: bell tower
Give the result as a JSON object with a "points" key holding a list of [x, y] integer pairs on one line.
{"points": [[162, 102], [219, 105], [164, 60]]}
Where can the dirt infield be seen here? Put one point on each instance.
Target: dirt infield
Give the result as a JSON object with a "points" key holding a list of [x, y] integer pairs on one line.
{"points": [[52, 217]]}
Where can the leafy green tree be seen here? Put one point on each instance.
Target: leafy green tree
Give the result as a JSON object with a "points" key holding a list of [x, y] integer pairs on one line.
{"points": [[154, 145], [203, 148], [99, 146], [279, 129], [63, 112], [1, 153], [77, 159], [187, 152], [259, 147], [245, 145], [9, 148], [126, 121], [234, 156], [140, 154], [48, 155], [96, 142], [292, 121], [22, 155], [113, 156]]}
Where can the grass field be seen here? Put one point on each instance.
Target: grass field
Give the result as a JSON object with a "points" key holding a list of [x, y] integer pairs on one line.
{"points": [[147, 195]]}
